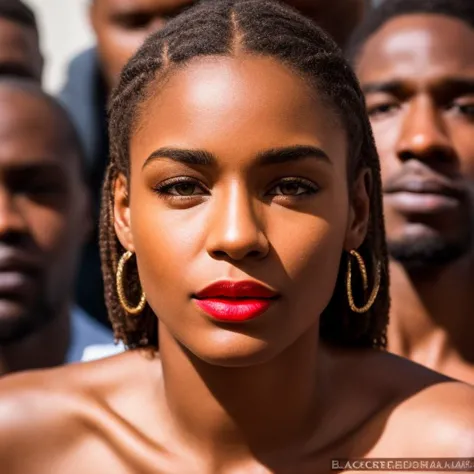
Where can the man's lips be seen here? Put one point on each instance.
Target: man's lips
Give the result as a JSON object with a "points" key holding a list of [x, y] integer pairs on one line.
{"points": [[421, 203], [422, 196], [235, 301], [18, 272]]}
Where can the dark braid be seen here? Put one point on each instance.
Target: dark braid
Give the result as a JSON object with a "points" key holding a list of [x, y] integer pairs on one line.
{"points": [[266, 28]]}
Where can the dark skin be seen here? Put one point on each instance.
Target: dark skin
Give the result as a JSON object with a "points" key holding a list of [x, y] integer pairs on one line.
{"points": [[19, 50], [418, 73], [42, 225], [185, 410], [121, 26]]}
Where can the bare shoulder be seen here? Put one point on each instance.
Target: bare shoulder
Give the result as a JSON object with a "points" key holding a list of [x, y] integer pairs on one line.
{"points": [[438, 420], [427, 414], [47, 412]]}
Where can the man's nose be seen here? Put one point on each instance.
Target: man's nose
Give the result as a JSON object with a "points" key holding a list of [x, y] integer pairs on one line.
{"points": [[423, 135], [11, 219]]}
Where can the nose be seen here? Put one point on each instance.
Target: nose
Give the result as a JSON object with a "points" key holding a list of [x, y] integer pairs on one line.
{"points": [[235, 231], [423, 135], [11, 219]]}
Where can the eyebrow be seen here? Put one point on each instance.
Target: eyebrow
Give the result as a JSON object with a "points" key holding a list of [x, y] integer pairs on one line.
{"points": [[388, 87], [292, 153], [273, 156], [29, 169], [15, 69]]}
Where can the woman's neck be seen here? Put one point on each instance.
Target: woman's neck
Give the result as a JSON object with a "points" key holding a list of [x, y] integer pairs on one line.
{"points": [[262, 408]]}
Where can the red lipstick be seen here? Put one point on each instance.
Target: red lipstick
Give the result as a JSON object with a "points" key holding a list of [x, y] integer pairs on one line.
{"points": [[235, 301]]}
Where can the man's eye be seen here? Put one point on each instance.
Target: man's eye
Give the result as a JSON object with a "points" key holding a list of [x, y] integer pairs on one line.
{"points": [[136, 21], [462, 108], [43, 189], [382, 110]]}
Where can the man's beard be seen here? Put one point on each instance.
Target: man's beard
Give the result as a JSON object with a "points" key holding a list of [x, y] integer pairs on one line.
{"points": [[27, 321], [427, 252]]}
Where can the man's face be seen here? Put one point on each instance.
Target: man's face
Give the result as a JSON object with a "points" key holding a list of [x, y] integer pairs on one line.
{"points": [[121, 26], [417, 72], [41, 214], [19, 50]]}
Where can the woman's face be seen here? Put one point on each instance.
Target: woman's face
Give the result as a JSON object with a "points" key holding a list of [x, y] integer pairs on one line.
{"points": [[238, 172]]}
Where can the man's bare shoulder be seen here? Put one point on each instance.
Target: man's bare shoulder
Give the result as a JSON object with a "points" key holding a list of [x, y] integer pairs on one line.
{"points": [[427, 414], [49, 411], [438, 420]]}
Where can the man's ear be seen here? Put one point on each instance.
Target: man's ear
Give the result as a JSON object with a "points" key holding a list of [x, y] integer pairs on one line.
{"points": [[359, 211], [122, 213]]}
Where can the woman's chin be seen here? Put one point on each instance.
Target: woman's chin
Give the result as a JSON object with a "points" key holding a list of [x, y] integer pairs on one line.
{"points": [[235, 350]]}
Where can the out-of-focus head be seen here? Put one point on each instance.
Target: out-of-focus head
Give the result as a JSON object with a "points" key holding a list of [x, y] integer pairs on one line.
{"points": [[240, 149], [20, 53], [339, 18], [43, 204], [121, 26], [415, 61]]}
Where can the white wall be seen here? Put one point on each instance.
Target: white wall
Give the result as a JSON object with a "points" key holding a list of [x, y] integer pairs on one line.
{"points": [[64, 30]]}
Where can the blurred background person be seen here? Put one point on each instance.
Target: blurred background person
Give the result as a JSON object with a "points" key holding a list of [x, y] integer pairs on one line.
{"points": [[415, 61], [44, 221], [120, 28], [20, 53]]}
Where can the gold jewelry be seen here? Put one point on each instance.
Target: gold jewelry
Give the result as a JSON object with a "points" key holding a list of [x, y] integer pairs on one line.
{"points": [[120, 291], [363, 272]]}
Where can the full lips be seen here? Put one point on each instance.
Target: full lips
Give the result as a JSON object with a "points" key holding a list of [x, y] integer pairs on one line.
{"points": [[15, 282], [422, 203], [234, 310]]}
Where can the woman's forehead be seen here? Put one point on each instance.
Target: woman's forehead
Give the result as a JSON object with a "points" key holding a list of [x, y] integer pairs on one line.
{"points": [[217, 103]]}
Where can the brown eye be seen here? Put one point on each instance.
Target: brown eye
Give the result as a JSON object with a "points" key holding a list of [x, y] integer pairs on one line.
{"points": [[184, 189], [180, 187], [294, 187], [465, 109], [291, 189], [382, 110]]}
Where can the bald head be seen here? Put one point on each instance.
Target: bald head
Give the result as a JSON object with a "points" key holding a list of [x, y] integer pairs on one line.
{"points": [[25, 107]]}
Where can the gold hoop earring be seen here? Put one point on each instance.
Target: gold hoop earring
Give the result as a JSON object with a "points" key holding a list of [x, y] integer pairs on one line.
{"points": [[363, 272], [120, 291]]}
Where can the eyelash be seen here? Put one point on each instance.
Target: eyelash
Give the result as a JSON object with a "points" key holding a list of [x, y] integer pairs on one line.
{"points": [[311, 188], [163, 189]]}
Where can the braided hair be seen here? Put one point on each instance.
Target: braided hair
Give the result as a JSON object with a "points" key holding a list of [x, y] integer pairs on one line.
{"points": [[263, 28]]}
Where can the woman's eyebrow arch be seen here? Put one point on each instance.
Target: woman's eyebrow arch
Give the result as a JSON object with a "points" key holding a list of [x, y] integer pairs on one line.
{"points": [[182, 155], [276, 156], [273, 156]]}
